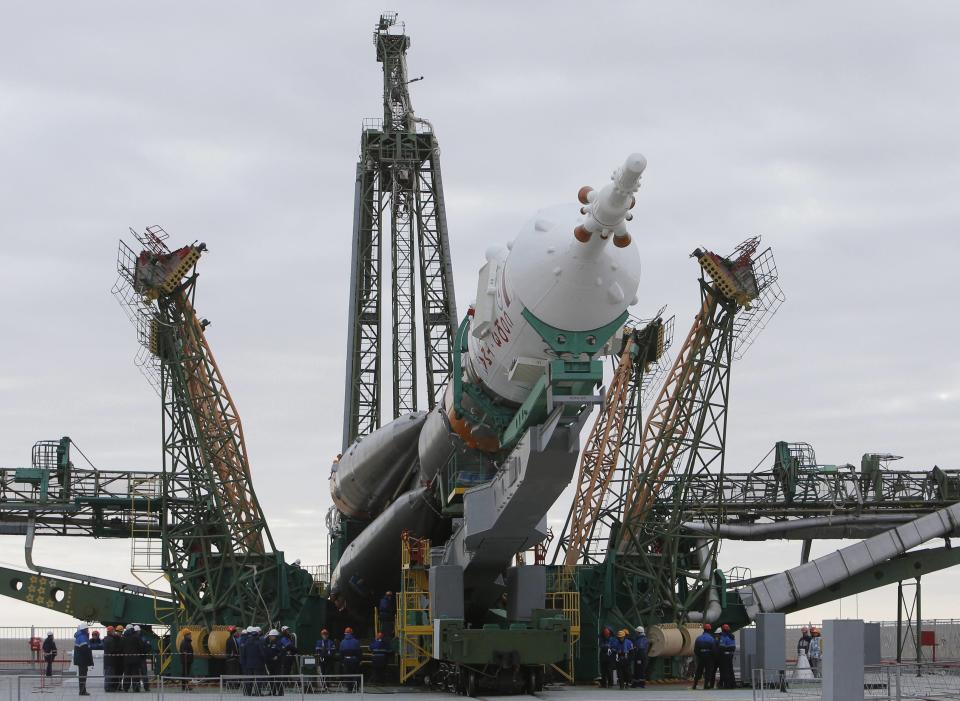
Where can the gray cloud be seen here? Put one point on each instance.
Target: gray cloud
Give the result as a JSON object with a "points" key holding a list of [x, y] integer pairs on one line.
{"points": [[829, 129]]}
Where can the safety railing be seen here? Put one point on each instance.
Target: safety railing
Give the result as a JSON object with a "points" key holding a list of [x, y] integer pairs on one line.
{"points": [[291, 685], [892, 682], [789, 683], [22, 687]]}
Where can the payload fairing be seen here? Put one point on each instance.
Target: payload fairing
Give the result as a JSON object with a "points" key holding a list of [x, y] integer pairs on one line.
{"points": [[548, 304]]}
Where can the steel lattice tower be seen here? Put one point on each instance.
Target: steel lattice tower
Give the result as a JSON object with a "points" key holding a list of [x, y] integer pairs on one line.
{"points": [[217, 552], [684, 439], [399, 173], [612, 444]]}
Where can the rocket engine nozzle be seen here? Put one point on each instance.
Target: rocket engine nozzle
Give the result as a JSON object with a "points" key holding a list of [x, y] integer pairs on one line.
{"points": [[607, 211]]}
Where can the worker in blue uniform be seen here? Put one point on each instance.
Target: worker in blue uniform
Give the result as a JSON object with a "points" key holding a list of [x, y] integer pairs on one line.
{"points": [[703, 649], [728, 646], [607, 657], [325, 651], [624, 659], [379, 649], [388, 613], [288, 647], [350, 652], [254, 663], [641, 645], [82, 656]]}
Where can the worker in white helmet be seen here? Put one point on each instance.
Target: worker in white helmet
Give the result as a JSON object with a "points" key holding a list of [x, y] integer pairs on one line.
{"points": [[273, 658], [49, 652], [288, 643], [252, 663], [82, 655], [641, 646]]}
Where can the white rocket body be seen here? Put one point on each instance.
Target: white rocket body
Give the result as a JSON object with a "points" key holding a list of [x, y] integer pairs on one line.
{"points": [[567, 284], [572, 267]]}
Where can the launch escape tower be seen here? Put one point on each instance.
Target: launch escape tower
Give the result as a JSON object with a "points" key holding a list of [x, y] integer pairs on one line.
{"points": [[398, 173]]}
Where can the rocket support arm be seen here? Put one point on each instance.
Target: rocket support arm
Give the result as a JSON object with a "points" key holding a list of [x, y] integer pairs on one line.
{"points": [[84, 601], [569, 380], [508, 514]]}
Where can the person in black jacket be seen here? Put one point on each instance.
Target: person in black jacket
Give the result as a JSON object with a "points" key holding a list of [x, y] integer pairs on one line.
{"points": [[146, 652], [273, 656], [232, 649], [186, 658], [253, 662], [130, 656], [607, 656], [49, 652], [111, 661]]}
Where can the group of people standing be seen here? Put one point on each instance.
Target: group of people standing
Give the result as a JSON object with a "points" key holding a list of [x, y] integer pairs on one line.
{"points": [[810, 645], [346, 656], [349, 654], [626, 654], [713, 651], [249, 652], [125, 655]]}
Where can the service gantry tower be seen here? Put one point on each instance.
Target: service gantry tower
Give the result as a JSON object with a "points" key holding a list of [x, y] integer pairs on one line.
{"points": [[399, 172]]}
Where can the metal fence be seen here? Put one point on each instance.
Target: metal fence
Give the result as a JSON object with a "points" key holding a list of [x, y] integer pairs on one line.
{"points": [[22, 687], [946, 633], [890, 682]]}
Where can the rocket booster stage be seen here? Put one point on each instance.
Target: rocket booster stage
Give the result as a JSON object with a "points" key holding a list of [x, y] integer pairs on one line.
{"points": [[571, 269]]}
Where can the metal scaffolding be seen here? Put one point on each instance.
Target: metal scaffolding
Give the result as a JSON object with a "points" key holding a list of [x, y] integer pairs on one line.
{"points": [[684, 439], [604, 474], [214, 534], [399, 172]]}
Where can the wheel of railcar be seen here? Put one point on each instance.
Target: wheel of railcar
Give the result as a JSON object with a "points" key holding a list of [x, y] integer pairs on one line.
{"points": [[471, 685], [531, 685]]}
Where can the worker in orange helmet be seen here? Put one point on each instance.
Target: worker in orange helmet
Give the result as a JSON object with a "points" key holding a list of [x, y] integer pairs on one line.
{"points": [[703, 648], [232, 651], [350, 652], [727, 648], [379, 649], [325, 650]]}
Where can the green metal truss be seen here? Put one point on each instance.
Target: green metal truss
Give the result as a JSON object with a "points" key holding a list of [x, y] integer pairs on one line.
{"points": [[399, 170]]}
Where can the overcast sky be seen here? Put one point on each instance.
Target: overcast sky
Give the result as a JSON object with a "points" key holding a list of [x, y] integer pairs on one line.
{"points": [[829, 128]]}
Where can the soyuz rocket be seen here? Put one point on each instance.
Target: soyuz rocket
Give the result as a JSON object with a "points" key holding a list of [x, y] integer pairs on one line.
{"points": [[572, 268]]}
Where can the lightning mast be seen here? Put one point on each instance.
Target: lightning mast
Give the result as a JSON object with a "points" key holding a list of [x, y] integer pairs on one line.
{"points": [[398, 173]]}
